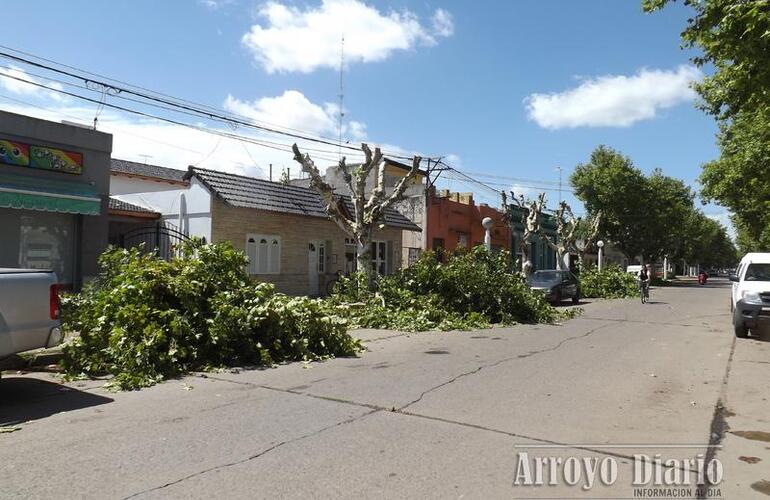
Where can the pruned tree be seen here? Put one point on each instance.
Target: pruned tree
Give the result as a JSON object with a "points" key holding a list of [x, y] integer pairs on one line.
{"points": [[587, 231], [530, 220], [368, 205], [566, 235]]}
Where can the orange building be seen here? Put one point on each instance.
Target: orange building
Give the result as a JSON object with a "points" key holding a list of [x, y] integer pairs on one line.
{"points": [[454, 220]]}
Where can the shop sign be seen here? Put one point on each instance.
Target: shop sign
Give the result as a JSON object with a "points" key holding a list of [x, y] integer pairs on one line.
{"points": [[42, 157], [14, 153]]}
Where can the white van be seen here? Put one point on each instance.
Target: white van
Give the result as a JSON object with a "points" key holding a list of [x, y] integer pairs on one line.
{"points": [[750, 300]]}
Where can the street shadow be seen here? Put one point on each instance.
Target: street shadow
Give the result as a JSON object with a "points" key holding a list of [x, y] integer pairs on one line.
{"points": [[711, 283], [23, 399]]}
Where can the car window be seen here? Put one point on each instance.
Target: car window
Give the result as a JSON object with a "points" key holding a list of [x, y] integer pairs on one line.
{"points": [[757, 272]]}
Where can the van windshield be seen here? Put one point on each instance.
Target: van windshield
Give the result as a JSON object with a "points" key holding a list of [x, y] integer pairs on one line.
{"points": [[758, 272]]}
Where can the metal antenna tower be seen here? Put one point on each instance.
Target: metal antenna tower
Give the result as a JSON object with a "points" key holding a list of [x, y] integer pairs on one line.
{"points": [[342, 93]]}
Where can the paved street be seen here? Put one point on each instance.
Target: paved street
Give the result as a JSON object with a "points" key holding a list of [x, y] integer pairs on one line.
{"points": [[429, 415]]}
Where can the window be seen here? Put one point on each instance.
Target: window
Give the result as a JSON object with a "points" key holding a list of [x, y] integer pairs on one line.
{"points": [[379, 257], [758, 272], [39, 240], [414, 255], [264, 253], [350, 255], [462, 240], [321, 257]]}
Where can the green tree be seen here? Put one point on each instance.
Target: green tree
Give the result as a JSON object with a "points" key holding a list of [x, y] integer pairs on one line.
{"points": [[642, 215], [671, 205], [706, 242], [610, 183], [734, 37]]}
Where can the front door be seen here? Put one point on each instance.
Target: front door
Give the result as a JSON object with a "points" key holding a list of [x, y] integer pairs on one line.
{"points": [[312, 268]]}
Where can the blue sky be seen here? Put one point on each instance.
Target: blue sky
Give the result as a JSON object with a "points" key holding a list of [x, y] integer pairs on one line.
{"points": [[511, 88]]}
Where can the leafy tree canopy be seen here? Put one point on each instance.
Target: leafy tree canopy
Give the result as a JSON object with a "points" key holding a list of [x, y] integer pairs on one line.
{"points": [[650, 215], [734, 37]]}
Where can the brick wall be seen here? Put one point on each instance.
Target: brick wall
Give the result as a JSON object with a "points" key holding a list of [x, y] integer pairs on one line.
{"points": [[233, 224]]}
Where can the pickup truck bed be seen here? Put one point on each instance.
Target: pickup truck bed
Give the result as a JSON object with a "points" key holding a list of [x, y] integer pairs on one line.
{"points": [[29, 310]]}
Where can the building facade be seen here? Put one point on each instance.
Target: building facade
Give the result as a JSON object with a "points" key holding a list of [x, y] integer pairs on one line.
{"points": [[454, 221], [283, 229], [54, 192]]}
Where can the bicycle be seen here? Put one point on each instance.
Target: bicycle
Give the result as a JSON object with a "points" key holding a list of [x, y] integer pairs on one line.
{"points": [[644, 291]]}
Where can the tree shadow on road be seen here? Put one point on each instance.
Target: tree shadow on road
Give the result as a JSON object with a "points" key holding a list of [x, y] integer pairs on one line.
{"points": [[23, 399]]}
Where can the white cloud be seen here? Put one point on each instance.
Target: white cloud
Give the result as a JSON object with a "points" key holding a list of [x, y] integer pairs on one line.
{"points": [[443, 24], [14, 79], [614, 100], [292, 110], [293, 39], [215, 4], [519, 190], [177, 146]]}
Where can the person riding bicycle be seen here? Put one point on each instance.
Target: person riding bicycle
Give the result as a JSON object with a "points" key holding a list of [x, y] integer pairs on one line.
{"points": [[644, 280]]}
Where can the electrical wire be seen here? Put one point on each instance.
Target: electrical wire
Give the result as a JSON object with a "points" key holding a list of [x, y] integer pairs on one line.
{"points": [[202, 111]]}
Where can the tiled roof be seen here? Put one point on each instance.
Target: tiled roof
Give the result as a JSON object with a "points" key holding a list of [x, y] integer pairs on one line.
{"points": [[122, 206], [248, 192], [145, 170]]}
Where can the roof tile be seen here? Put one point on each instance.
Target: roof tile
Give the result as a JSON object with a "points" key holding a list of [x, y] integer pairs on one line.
{"points": [[249, 192]]}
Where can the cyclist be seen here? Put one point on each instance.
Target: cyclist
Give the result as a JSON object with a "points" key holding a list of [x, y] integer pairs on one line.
{"points": [[644, 283]]}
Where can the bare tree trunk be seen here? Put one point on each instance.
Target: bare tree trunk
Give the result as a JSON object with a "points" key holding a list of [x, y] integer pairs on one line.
{"points": [[531, 222], [364, 255]]}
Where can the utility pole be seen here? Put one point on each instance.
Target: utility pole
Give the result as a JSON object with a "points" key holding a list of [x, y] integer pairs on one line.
{"points": [[560, 197]]}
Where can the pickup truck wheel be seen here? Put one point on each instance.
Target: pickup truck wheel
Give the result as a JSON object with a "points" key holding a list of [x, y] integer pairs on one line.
{"points": [[576, 298], [741, 331]]}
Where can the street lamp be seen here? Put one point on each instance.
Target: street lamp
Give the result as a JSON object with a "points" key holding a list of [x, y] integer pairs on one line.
{"points": [[600, 244], [487, 223]]}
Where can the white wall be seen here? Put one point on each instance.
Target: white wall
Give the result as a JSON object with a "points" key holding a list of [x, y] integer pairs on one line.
{"points": [[196, 203], [121, 184]]}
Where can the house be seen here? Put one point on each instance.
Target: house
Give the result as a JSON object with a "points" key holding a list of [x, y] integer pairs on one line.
{"points": [[412, 206], [54, 186], [284, 229], [454, 221], [142, 198]]}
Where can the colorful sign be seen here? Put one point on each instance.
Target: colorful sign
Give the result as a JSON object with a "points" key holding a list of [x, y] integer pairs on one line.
{"points": [[56, 159], [14, 153]]}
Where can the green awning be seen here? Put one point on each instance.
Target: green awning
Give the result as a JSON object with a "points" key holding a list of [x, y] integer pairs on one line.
{"points": [[36, 193]]}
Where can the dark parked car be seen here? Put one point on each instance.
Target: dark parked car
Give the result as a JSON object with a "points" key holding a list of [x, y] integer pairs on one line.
{"points": [[556, 285]]}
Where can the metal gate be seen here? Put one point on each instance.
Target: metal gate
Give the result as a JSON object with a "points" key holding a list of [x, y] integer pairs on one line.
{"points": [[161, 240]]}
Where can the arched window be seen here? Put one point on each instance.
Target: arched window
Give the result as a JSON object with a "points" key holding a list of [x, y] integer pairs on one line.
{"points": [[264, 253]]}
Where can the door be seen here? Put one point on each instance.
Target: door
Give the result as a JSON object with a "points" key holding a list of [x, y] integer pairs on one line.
{"points": [[312, 268]]}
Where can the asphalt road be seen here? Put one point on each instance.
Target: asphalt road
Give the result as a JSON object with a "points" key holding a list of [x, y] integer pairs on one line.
{"points": [[428, 415]]}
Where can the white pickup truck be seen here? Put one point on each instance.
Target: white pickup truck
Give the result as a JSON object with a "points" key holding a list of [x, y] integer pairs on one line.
{"points": [[29, 310]]}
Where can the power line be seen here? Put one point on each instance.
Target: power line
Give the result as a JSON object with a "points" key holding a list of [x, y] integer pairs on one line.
{"points": [[263, 143], [202, 111], [144, 137]]}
